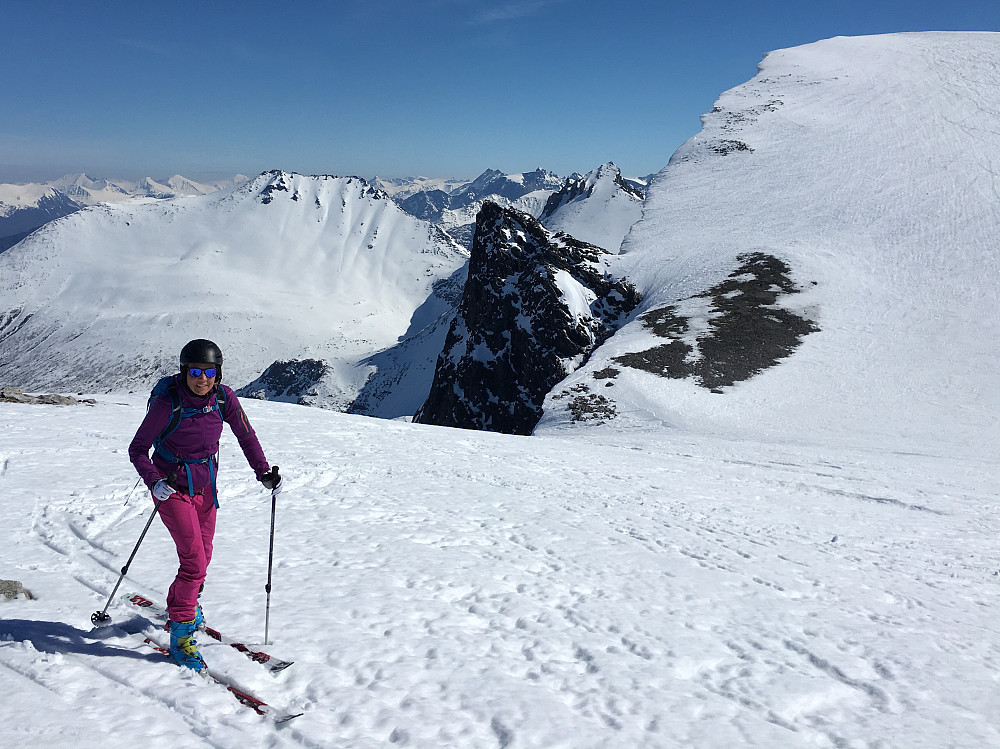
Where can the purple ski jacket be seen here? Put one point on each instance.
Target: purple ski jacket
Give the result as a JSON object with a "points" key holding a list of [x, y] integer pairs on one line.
{"points": [[196, 437]]}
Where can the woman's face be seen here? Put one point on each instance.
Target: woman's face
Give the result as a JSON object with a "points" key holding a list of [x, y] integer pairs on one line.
{"points": [[202, 384]]}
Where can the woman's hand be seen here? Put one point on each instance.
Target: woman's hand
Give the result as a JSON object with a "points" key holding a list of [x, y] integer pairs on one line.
{"points": [[162, 490], [272, 481]]}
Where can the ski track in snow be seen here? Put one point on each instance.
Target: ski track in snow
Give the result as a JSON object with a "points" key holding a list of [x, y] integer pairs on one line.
{"points": [[444, 588]]}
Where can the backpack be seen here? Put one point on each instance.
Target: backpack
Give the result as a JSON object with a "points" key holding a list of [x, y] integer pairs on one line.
{"points": [[168, 386]]}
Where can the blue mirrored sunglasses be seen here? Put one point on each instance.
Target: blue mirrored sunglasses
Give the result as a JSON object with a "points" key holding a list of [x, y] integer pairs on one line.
{"points": [[209, 373]]}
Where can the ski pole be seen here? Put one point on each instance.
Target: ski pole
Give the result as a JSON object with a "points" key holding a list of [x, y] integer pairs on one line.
{"points": [[99, 617], [270, 553], [133, 489]]}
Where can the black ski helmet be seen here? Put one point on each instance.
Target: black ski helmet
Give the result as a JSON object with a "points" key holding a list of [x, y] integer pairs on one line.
{"points": [[202, 351]]}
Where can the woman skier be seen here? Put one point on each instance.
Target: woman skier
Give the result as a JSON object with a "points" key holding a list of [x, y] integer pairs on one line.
{"points": [[183, 426]]}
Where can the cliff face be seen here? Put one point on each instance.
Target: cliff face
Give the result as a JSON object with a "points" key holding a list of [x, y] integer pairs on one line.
{"points": [[535, 306]]}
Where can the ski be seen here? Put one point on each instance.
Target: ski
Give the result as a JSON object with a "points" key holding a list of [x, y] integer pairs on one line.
{"points": [[245, 698], [272, 664]]}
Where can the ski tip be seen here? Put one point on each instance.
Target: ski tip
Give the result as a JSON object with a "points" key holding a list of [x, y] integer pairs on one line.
{"points": [[285, 718], [277, 668]]}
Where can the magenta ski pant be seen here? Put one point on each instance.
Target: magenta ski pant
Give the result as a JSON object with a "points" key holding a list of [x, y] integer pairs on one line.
{"points": [[191, 523]]}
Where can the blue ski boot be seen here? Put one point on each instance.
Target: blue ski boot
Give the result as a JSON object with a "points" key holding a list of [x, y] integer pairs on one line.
{"points": [[183, 648]]}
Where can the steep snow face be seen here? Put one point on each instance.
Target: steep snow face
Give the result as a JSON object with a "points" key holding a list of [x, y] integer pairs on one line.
{"points": [[533, 308], [598, 208], [283, 267], [24, 208], [869, 166]]}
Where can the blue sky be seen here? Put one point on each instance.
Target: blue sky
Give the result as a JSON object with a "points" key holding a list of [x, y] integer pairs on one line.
{"points": [[393, 87]]}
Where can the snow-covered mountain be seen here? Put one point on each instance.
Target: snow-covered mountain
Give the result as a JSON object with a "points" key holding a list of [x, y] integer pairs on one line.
{"points": [[87, 190], [599, 207], [284, 267], [493, 184], [25, 207], [455, 210], [794, 260], [534, 306], [400, 188], [847, 192]]}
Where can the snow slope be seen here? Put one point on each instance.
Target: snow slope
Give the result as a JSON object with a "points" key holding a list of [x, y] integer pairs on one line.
{"points": [[13, 197], [285, 266], [870, 165], [450, 588]]}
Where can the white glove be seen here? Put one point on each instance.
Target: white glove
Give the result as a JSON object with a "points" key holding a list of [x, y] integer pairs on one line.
{"points": [[162, 490]]}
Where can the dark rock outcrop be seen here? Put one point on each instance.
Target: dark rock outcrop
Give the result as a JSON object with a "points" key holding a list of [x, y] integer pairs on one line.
{"points": [[17, 395], [290, 381], [534, 307]]}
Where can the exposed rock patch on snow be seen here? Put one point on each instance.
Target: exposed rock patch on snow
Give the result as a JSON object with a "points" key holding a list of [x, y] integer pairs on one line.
{"points": [[744, 330], [17, 395]]}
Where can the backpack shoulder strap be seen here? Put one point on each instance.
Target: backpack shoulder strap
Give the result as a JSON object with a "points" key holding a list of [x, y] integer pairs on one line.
{"points": [[220, 399], [167, 386]]}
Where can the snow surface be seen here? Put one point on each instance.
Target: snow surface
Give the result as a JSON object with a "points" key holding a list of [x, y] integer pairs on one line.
{"points": [[441, 587]]}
